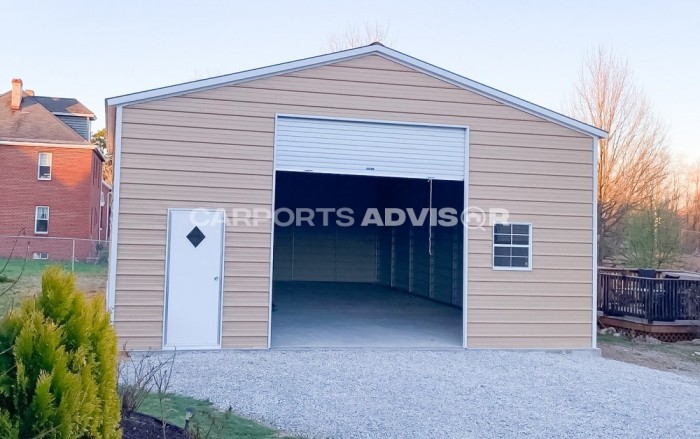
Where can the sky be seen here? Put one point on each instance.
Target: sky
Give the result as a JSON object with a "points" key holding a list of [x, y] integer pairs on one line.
{"points": [[92, 50]]}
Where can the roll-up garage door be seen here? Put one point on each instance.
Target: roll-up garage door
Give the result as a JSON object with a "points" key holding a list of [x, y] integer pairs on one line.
{"points": [[385, 149]]}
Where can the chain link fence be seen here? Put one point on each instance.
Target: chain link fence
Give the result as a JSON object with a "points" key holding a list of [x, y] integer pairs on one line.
{"points": [[23, 259], [66, 251]]}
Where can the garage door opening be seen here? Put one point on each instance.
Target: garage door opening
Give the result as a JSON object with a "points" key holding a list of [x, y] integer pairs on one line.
{"points": [[347, 272]]}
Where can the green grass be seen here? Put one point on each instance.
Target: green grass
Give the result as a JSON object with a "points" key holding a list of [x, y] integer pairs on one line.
{"points": [[679, 350], [226, 424], [89, 277], [36, 267], [609, 339]]}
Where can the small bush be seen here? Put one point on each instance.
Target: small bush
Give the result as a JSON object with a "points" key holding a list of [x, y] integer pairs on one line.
{"points": [[58, 364], [136, 380], [208, 425], [142, 375]]}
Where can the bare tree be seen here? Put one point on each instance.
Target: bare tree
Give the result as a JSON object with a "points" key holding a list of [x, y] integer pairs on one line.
{"points": [[356, 36], [690, 204], [633, 161]]}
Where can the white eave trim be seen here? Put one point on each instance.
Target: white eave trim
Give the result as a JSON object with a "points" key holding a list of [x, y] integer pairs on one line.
{"points": [[81, 115], [56, 145], [377, 49], [48, 145], [233, 78]]}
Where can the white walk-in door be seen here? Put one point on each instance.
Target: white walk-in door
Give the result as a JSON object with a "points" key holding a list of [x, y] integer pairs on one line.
{"points": [[194, 279]]}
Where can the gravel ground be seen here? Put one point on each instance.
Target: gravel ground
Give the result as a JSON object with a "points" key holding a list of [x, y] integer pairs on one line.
{"points": [[448, 394]]}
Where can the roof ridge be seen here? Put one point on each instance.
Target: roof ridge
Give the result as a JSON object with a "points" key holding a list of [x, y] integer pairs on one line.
{"points": [[372, 49], [87, 111]]}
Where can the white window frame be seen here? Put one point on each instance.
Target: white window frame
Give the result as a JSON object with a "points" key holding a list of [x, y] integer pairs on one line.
{"points": [[38, 166], [36, 218], [528, 246]]}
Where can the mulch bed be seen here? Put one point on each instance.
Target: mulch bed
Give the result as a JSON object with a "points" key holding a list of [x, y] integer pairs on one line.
{"points": [[140, 426]]}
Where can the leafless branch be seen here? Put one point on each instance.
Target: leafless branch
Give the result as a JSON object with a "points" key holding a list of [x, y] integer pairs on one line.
{"points": [[633, 162], [22, 232], [357, 36], [161, 381]]}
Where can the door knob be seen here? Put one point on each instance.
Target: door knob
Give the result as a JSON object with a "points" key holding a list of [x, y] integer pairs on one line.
{"points": [[216, 277]]}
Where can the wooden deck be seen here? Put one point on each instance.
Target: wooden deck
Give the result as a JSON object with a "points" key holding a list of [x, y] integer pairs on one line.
{"points": [[665, 331]]}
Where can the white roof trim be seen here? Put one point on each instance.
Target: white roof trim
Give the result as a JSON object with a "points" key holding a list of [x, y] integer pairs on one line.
{"points": [[47, 145], [82, 115], [376, 49], [56, 145]]}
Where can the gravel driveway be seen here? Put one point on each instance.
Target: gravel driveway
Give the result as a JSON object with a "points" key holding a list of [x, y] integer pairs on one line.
{"points": [[448, 394]]}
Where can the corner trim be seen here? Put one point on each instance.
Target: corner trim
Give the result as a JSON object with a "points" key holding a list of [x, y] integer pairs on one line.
{"points": [[465, 247], [272, 232], [594, 286], [113, 250]]}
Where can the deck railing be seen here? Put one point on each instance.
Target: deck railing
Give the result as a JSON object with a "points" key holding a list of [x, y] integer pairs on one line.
{"points": [[652, 299]]}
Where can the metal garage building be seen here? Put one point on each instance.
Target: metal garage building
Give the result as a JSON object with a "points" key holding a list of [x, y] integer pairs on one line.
{"points": [[362, 198]]}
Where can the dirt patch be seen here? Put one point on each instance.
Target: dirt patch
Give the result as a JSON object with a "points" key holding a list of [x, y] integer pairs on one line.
{"points": [[682, 358], [138, 426]]}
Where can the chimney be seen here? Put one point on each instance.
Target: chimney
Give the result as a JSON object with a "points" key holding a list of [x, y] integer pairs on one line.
{"points": [[29, 92], [16, 101]]}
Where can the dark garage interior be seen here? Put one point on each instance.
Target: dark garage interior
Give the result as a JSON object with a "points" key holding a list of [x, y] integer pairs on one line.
{"points": [[341, 285]]}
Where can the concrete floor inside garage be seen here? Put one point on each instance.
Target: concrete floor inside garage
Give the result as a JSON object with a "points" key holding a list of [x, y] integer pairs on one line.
{"points": [[360, 315]]}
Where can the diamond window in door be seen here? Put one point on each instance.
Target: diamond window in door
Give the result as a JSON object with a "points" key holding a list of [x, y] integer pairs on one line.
{"points": [[195, 236]]}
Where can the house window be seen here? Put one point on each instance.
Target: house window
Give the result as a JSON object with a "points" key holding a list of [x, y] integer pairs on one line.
{"points": [[512, 246], [41, 220], [40, 256], [44, 166]]}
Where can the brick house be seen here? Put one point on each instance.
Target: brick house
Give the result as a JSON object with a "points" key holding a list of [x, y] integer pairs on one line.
{"points": [[50, 176]]}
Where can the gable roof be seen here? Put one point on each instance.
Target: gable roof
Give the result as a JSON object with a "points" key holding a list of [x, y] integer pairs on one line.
{"points": [[65, 106], [372, 49], [33, 122]]}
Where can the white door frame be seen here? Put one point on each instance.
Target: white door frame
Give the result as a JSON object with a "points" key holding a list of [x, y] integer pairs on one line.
{"points": [[465, 241], [465, 237], [167, 268]]}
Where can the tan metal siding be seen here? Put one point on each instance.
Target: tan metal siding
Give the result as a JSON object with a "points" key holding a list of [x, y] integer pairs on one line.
{"points": [[524, 340], [214, 149]]}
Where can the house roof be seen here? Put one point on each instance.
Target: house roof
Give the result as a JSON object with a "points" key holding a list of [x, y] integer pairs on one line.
{"points": [[372, 49], [33, 122], [65, 106]]}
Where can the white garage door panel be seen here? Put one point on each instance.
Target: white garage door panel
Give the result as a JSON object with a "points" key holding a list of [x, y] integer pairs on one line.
{"points": [[370, 148]]}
